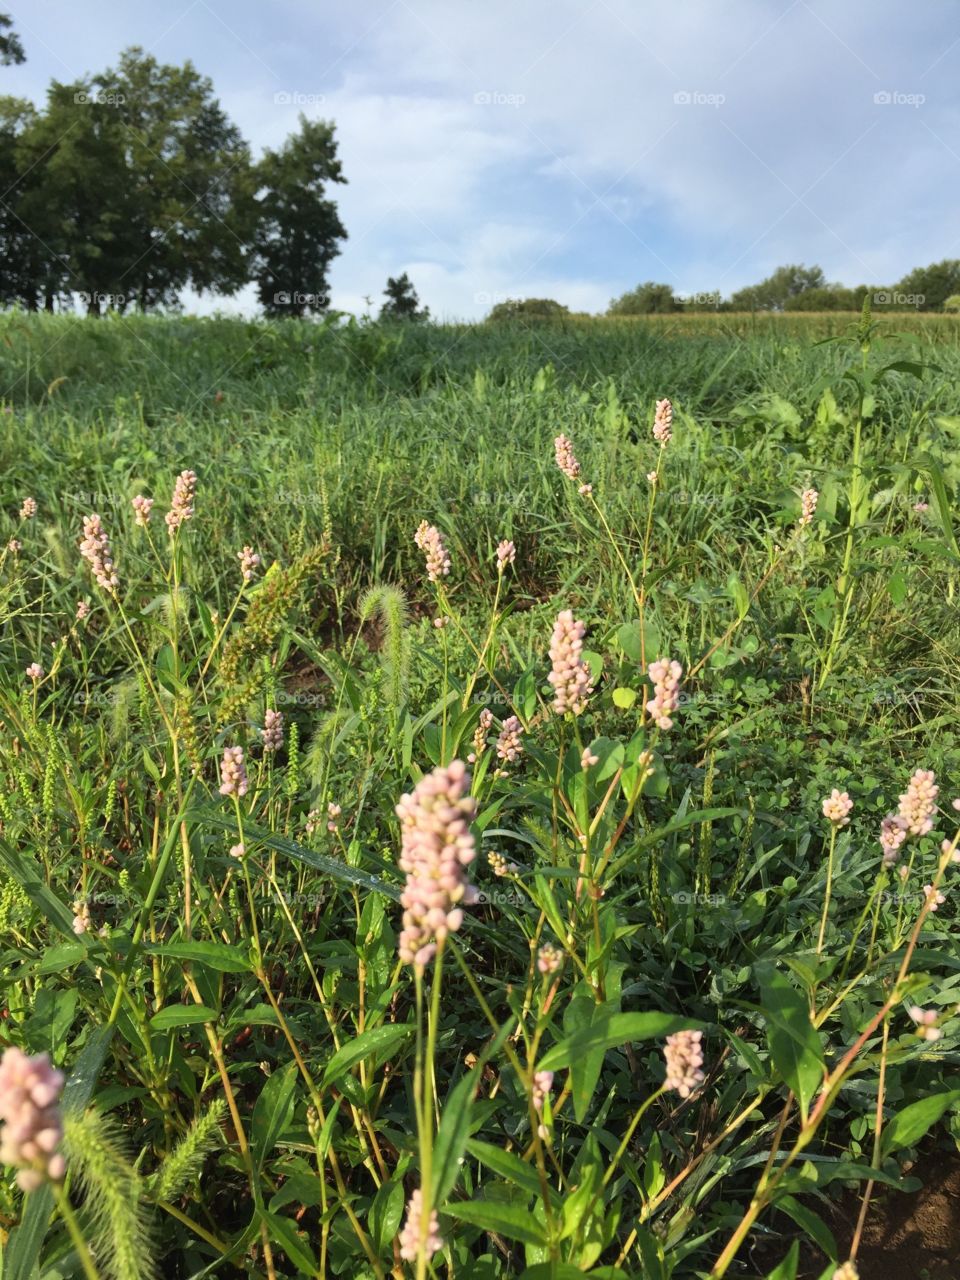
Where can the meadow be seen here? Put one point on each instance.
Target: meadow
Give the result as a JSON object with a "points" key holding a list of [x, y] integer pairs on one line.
{"points": [[655, 966]]}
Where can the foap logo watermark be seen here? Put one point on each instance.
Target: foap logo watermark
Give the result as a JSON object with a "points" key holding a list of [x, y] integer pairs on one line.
{"points": [[485, 299], [294, 98], [697, 98], [712, 299], [495, 98], [299, 698], [683, 897], [96, 299], [99, 98], [895, 98], [893, 298], [299, 498], [296, 298], [92, 499]]}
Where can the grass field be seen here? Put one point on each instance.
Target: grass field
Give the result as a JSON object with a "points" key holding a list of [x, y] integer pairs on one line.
{"points": [[257, 1080]]}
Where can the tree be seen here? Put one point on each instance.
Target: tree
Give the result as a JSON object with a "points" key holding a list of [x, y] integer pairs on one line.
{"points": [[11, 50], [646, 299], [30, 272], [528, 309], [928, 288], [299, 229], [774, 293], [402, 302], [832, 297], [952, 304]]}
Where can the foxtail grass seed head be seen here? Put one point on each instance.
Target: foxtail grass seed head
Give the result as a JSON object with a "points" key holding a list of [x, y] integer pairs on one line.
{"points": [[926, 1020], [893, 832], [28, 508], [83, 610], [32, 1129], [141, 509], [34, 672], [248, 563], [935, 898], [436, 847], [430, 542], [566, 459], [663, 422], [808, 505], [506, 554], [588, 759], [665, 676], [683, 1054], [181, 504], [837, 807], [413, 1229], [509, 743], [570, 675], [233, 772], [918, 803], [272, 730], [549, 959], [95, 549]]}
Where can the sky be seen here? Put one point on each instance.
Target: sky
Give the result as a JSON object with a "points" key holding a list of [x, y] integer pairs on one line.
{"points": [[573, 148]]}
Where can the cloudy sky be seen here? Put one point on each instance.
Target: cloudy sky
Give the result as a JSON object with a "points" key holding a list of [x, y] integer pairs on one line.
{"points": [[572, 148]]}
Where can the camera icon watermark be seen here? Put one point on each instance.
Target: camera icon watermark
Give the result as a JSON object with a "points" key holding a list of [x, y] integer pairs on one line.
{"points": [[297, 298], [494, 98], [293, 98], [893, 298], [697, 98], [99, 98], [894, 98]]}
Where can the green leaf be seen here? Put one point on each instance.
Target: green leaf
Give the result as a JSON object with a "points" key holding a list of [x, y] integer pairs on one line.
{"points": [[787, 1269], [794, 1043], [508, 1220], [181, 1015], [273, 1112], [811, 1223], [910, 1124], [455, 1121], [386, 1212], [613, 1030], [506, 1165], [284, 1233], [378, 1040], [214, 955], [624, 698]]}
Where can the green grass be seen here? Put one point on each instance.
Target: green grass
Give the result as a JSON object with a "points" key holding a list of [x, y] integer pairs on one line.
{"points": [[813, 659]]}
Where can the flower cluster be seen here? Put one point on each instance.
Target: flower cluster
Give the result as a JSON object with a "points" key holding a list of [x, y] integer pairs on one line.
{"points": [[333, 813], [808, 505], [429, 541], [500, 866], [272, 730], [95, 549], [684, 1058], [32, 1129], [233, 773], [893, 832], [926, 1020], [565, 457], [81, 919], [34, 672], [837, 807], [919, 802], [480, 734], [413, 1227], [248, 562], [83, 610], [181, 505], [570, 675], [549, 959], [509, 744], [141, 509], [506, 554], [28, 508], [665, 676], [934, 897], [437, 845], [663, 422], [588, 759], [14, 546]]}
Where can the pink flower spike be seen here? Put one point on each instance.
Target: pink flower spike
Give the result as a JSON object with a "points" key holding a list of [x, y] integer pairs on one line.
{"points": [[837, 807], [663, 422]]}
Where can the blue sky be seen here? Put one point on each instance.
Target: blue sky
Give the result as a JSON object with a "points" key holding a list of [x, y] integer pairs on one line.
{"points": [[571, 149]]}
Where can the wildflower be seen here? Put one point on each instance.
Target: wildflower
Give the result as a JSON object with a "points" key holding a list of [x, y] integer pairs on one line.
{"points": [[506, 554], [83, 610], [81, 918], [141, 509], [588, 759], [662, 422], [437, 845], [570, 675], [919, 802], [565, 457], [542, 1084], [921, 506], [440, 623], [500, 866], [949, 850], [233, 773], [313, 821], [248, 562], [549, 959], [410, 1236], [935, 898], [14, 545], [95, 549], [955, 804], [238, 851], [652, 477], [926, 1020], [32, 1129], [684, 1058], [35, 672], [585, 490], [272, 730], [846, 1272], [181, 505], [893, 832], [666, 691], [837, 807], [28, 508], [333, 813], [480, 734], [429, 541], [509, 744], [808, 505]]}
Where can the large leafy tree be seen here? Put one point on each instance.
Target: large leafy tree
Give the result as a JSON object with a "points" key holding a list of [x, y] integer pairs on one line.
{"points": [[646, 299], [934, 284], [402, 301], [11, 50], [299, 228], [774, 293]]}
